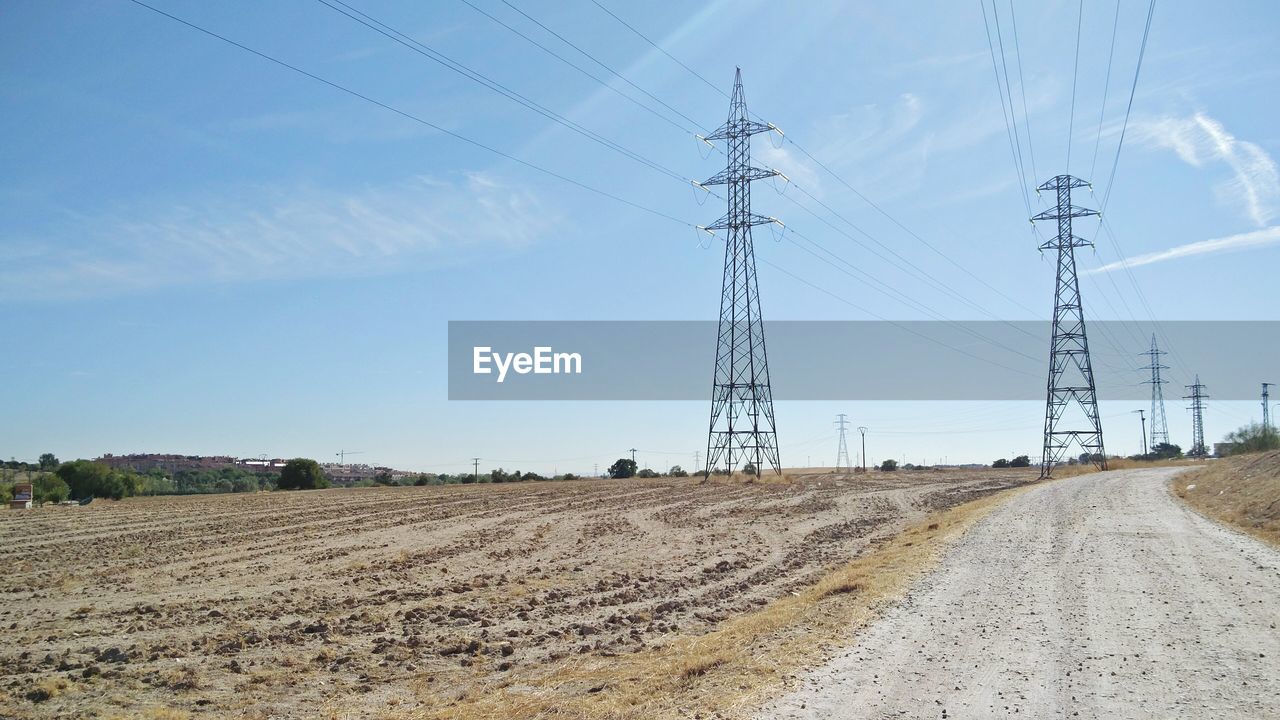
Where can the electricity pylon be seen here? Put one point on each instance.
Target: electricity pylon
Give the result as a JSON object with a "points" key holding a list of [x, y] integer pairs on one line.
{"points": [[742, 422], [842, 455], [1069, 348], [1197, 398], [1266, 405], [1159, 426]]}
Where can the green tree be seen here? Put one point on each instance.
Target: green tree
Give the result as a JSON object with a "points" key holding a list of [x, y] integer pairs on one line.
{"points": [[1001, 463], [48, 462], [623, 468], [88, 479], [889, 465], [1165, 451], [1020, 461], [50, 488], [677, 471], [1253, 437], [302, 474], [647, 473], [750, 469]]}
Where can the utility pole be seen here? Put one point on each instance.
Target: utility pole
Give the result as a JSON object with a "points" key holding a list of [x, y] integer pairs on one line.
{"points": [[1143, 419], [1069, 348], [633, 455], [863, 430], [1197, 398], [842, 454], [1266, 406], [697, 458], [476, 472], [742, 422], [1159, 426]]}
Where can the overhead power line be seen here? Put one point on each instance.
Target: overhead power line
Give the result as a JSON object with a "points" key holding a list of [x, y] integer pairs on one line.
{"points": [[1022, 88], [1137, 70], [660, 49], [1075, 76], [1106, 88], [580, 69], [415, 118], [593, 59], [481, 79]]}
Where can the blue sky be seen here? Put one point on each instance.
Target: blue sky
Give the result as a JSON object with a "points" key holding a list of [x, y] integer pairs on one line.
{"points": [[203, 252]]}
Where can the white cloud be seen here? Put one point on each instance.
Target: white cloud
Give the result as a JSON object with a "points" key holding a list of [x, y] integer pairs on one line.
{"points": [[1199, 140], [264, 233], [1242, 241]]}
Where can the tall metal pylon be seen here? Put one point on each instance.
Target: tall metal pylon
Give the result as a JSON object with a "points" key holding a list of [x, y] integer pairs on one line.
{"points": [[1070, 369], [842, 455], [1197, 398], [742, 422], [1159, 425]]}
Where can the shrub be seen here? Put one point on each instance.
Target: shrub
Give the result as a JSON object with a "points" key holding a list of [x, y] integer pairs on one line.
{"points": [[50, 488], [1020, 461], [1001, 463], [647, 473], [1253, 437], [302, 474], [677, 471], [889, 465]]}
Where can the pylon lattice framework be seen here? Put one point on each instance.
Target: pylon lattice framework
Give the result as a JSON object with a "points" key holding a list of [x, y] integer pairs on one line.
{"points": [[842, 454], [1069, 347], [742, 421], [1197, 398], [1159, 425]]}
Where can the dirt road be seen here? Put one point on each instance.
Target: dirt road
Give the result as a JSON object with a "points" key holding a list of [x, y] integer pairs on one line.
{"points": [[1093, 597]]}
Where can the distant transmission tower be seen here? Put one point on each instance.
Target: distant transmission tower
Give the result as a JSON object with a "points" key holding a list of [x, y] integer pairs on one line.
{"points": [[1070, 369], [1197, 398], [742, 423], [1159, 426], [842, 455], [1266, 405]]}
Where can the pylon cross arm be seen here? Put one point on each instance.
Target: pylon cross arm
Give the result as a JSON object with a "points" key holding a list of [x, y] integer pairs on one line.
{"points": [[1074, 211], [739, 128], [751, 219], [728, 175]]}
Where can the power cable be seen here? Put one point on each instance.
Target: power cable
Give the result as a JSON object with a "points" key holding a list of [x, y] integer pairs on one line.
{"points": [[414, 118]]}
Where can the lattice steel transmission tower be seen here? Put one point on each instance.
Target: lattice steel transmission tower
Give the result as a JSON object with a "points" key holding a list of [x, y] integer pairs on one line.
{"points": [[842, 455], [1197, 398], [1266, 405], [1159, 425], [1071, 382], [742, 422]]}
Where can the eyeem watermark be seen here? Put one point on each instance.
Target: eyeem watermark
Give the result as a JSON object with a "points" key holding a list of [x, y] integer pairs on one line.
{"points": [[543, 361]]}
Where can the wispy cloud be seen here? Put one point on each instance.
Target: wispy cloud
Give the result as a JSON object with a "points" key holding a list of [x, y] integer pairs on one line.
{"points": [[1242, 241], [265, 233], [1200, 140]]}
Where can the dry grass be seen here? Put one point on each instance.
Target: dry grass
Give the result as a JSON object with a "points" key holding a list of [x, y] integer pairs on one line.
{"points": [[1242, 491], [1065, 471], [733, 670]]}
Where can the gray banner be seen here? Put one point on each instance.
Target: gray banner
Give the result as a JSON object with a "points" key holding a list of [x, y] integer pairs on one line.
{"points": [[848, 360]]}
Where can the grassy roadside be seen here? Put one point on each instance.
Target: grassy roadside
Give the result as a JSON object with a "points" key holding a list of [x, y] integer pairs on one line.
{"points": [[1066, 471], [735, 669], [1242, 491]]}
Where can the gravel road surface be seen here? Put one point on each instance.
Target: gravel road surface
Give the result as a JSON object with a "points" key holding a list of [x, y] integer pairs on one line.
{"points": [[1099, 596]]}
